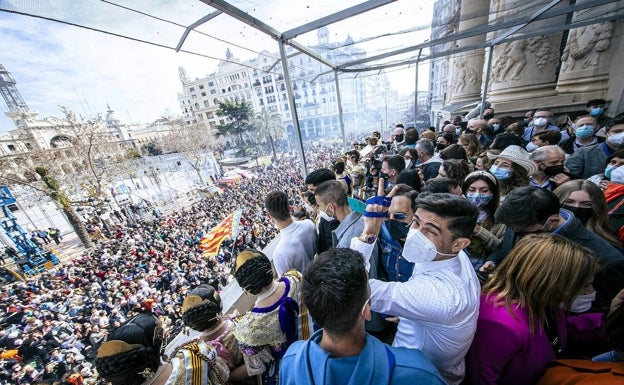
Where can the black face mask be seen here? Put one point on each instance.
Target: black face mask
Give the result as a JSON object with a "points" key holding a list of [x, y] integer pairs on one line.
{"points": [[488, 116], [582, 213], [440, 146], [399, 138], [398, 230], [383, 175], [554, 170]]}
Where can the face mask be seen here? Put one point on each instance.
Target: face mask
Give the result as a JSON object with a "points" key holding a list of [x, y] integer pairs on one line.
{"points": [[608, 170], [500, 173], [582, 302], [383, 175], [399, 138], [540, 122], [479, 200], [418, 248], [457, 131], [495, 126], [584, 131], [616, 139], [440, 146], [530, 147], [596, 111], [408, 163], [617, 175], [488, 116], [398, 230], [551, 171], [326, 216], [582, 213]]}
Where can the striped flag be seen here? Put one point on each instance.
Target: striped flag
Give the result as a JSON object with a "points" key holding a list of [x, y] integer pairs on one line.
{"points": [[228, 228]]}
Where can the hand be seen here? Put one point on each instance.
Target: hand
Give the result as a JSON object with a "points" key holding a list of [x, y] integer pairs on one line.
{"points": [[617, 301], [488, 267], [560, 179], [372, 225], [392, 319]]}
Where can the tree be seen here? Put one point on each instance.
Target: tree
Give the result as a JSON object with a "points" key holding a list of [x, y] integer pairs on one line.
{"points": [[151, 149], [239, 116], [269, 124], [193, 143]]}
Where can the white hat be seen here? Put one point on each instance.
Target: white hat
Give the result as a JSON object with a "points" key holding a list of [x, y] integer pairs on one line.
{"points": [[517, 155]]}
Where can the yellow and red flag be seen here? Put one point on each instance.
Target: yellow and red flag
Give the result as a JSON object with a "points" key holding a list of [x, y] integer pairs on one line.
{"points": [[228, 228]]}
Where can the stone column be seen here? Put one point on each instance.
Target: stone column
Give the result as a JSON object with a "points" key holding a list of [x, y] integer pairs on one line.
{"points": [[523, 69], [587, 57], [466, 69]]}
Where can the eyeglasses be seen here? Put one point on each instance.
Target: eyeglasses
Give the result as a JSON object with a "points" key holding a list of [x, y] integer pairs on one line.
{"points": [[365, 303]]}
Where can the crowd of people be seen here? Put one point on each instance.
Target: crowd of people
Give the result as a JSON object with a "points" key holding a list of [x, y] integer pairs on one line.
{"points": [[492, 247]]}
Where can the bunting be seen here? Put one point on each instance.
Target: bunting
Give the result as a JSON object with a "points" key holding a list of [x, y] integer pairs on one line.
{"points": [[228, 228]]}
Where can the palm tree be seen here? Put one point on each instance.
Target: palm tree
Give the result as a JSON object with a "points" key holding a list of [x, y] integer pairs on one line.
{"points": [[268, 123]]}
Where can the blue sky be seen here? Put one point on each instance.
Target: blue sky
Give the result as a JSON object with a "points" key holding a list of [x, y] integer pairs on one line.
{"points": [[56, 64]]}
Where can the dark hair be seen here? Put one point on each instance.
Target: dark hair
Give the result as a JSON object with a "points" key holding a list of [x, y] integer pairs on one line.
{"points": [[395, 162], [334, 288], [615, 154], [527, 206], [448, 136], [515, 129], [404, 190], [492, 205], [276, 203], [125, 368], [319, 176], [426, 146], [619, 119], [596, 102], [439, 185], [456, 169], [550, 136], [614, 327], [410, 178], [460, 212], [354, 153], [204, 315], [339, 166], [255, 274], [504, 140], [332, 191], [453, 151], [411, 136]]}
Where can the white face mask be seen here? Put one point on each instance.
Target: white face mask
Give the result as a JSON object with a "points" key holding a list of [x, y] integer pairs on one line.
{"points": [[540, 122], [530, 147], [582, 302], [617, 175], [616, 139], [407, 163], [325, 216], [418, 248]]}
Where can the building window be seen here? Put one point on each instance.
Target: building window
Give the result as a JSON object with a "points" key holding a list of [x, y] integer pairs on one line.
{"points": [[221, 122], [212, 92], [193, 96], [192, 89], [203, 94], [210, 84], [29, 146], [205, 103], [201, 87], [11, 147], [209, 115]]}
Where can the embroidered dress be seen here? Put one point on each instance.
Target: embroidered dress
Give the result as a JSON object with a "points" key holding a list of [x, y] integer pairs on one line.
{"points": [[197, 363], [264, 334]]}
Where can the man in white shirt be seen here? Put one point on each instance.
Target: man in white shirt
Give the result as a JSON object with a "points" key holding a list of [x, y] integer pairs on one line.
{"points": [[297, 243], [439, 305]]}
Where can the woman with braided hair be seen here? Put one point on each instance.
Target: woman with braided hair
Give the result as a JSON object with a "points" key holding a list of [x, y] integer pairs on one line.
{"points": [[278, 318], [131, 356], [201, 311]]}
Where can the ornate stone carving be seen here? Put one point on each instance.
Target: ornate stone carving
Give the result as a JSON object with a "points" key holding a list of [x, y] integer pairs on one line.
{"points": [[463, 76], [513, 58], [585, 45]]}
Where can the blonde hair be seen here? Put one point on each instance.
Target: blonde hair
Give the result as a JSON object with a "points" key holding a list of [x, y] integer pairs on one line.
{"points": [[539, 273], [428, 135]]}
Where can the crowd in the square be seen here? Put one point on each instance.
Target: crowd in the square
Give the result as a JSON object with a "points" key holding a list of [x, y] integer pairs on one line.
{"points": [[487, 252]]}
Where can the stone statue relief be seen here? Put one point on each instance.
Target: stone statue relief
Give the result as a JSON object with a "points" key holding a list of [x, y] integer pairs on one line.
{"points": [[463, 76], [513, 58], [585, 45]]}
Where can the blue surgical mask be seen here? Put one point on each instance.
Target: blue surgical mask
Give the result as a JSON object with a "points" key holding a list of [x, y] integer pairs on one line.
{"points": [[478, 199], [596, 111], [608, 170], [495, 126], [584, 132], [500, 173], [457, 131]]}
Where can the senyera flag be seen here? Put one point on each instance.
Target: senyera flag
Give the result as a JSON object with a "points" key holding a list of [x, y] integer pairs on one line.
{"points": [[228, 228]]}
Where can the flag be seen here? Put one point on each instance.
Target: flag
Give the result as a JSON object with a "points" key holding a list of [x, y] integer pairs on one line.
{"points": [[228, 228]]}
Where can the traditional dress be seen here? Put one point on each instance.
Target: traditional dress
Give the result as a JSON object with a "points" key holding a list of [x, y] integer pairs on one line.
{"points": [[197, 363], [264, 334]]}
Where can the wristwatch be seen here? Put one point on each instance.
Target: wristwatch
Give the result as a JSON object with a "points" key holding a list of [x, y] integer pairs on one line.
{"points": [[368, 238]]}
